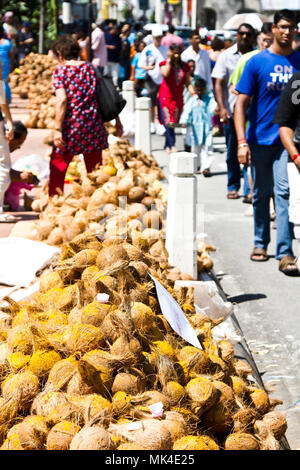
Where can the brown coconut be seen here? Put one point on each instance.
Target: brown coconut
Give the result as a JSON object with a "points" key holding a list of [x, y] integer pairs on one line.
{"points": [[32, 432], [61, 435], [241, 441], [151, 435], [128, 383], [109, 255], [276, 423], [92, 438], [203, 394], [23, 387]]}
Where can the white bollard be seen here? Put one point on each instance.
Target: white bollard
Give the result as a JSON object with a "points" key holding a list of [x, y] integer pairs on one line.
{"points": [[142, 126], [128, 93], [181, 214]]}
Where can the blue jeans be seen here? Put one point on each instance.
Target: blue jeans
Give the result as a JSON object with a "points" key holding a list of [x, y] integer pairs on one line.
{"points": [[233, 166], [268, 165], [170, 133]]}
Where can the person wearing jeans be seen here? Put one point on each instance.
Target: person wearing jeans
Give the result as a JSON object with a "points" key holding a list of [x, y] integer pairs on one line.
{"points": [[260, 87]]}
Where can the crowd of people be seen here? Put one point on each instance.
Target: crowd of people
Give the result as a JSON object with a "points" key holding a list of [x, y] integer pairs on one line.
{"points": [[244, 88]]}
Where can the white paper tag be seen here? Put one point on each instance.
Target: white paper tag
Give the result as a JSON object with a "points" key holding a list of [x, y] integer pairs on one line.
{"points": [[134, 426], [102, 298], [175, 316], [157, 410]]}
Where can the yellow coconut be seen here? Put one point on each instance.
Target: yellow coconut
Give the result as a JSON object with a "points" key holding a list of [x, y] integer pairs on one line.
{"points": [[260, 401], [12, 443], [241, 441], [226, 350], [239, 386], [42, 361], [175, 392], [61, 435], [190, 443], [84, 258], [94, 313], [45, 403], [164, 348], [32, 432], [92, 406], [49, 281], [20, 339], [121, 403], [18, 360], [55, 320], [82, 338], [23, 386], [61, 373], [149, 433], [142, 316], [203, 394], [196, 359]]}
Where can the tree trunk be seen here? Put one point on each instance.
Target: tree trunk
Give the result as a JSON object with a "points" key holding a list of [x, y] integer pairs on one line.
{"points": [[42, 26], [54, 16]]}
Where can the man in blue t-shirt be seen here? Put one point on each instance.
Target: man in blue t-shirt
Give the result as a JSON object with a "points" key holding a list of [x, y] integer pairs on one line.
{"points": [[260, 86]]}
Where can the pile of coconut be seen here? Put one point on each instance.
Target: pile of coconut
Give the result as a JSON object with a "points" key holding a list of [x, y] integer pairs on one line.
{"points": [[33, 81], [90, 362]]}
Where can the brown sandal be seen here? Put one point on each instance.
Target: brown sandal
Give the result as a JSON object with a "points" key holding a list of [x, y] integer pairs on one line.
{"points": [[233, 195], [285, 266], [259, 252]]}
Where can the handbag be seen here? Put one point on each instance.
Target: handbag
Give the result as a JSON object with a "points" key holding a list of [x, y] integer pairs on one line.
{"points": [[109, 100]]}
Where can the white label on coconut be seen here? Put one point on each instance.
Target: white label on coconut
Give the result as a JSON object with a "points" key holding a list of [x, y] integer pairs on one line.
{"points": [[157, 410], [175, 316], [134, 426], [102, 298]]}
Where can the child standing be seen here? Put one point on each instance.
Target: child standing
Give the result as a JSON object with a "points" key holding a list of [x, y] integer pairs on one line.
{"points": [[196, 116]]}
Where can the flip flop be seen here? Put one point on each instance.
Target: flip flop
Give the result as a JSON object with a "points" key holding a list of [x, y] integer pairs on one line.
{"points": [[284, 264], [8, 218], [259, 252], [233, 195]]}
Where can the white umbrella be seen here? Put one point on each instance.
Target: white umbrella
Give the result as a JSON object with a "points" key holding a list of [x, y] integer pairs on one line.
{"points": [[255, 19]]}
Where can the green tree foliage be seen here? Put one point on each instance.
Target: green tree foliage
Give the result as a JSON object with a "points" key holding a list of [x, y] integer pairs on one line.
{"points": [[30, 11]]}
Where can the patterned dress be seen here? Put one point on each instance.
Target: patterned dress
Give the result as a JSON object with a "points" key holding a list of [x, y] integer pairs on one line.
{"points": [[83, 130]]}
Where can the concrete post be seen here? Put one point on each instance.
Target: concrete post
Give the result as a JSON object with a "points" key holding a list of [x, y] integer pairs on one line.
{"points": [[142, 127], [128, 94], [181, 214]]}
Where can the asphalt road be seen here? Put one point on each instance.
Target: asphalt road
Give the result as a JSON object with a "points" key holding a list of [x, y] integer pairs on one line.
{"points": [[267, 302]]}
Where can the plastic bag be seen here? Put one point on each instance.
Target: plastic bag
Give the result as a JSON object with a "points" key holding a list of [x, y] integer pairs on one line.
{"points": [[34, 163]]}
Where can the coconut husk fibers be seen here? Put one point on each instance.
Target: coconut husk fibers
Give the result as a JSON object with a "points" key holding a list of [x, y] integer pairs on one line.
{"points": [[78, 374]]}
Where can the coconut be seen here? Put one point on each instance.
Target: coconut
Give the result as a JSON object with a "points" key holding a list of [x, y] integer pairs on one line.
{"points": [[142, 316], [78, 386], [82, 338], [176, 424], [42, 361], [226, 350], [111, 254], [61, 435], [130, 446], [260, 401], [276, 423], [196, 359], [12, 443], [265, 437], [239, 386], [242, 369], [55, 321], [23, 386], [136, 194], [128, 383], [58, 298], [94, 313], [217, 419], [92, 407], [244, 419], [85, 258], [121, 403], [50, 280], [191, 443], [132, 345], [241, 441], [149, 434], [18, 361], [32, 432], [150, 397], [92, 438], [56, 236], [45, 403], [89, 273], [20, 339], [175, 392], [61, 373], [163, 348], [203, 394], [226, 395]]}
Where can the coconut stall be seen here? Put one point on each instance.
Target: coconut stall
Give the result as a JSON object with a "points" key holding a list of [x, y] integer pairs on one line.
{"points": [[93, 359]]}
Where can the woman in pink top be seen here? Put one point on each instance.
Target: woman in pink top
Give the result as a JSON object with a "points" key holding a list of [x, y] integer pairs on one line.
{"points": [[171, 38], [99, 48], [176, 74]]}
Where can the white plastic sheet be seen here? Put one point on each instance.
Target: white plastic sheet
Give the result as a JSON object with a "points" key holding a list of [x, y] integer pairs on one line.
{"points": [[20, 259], [34, 163], [174, 315]]}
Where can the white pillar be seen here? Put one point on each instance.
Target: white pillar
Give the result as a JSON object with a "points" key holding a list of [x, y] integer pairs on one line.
{"points": [[158, 11], [128, 94], [185, 12], [181, 214], [194, 14], [67, 12], [142, 126]]}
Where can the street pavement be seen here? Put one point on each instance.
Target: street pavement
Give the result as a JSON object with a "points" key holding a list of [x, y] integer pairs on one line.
{"points": [[266, 301]]}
